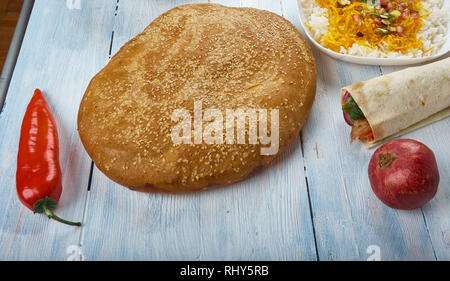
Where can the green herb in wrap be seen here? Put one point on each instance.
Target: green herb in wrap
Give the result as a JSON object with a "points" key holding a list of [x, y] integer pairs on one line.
{"points": [[351, 108]]}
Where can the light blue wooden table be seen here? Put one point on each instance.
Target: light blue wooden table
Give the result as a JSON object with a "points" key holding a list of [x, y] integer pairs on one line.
{"points": [[313, 203]]}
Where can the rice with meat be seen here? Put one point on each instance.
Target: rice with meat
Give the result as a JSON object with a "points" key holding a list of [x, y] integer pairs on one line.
{"points": [[432, 34]]}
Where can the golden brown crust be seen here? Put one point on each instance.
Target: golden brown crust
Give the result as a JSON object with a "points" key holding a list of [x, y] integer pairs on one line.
{"points": [[226, 58]]}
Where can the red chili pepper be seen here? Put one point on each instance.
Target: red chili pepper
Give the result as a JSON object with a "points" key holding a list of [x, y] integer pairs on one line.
{"points": [[38, 176]]}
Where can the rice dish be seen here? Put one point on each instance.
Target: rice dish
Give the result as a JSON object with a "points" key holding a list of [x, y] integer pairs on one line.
{"points": [[431, 32]]}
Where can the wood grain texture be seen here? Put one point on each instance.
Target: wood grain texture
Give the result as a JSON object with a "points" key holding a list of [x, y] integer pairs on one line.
{"points": [[61, 51], [267, 217], [436, 214], [347, 216], [263, 218]]}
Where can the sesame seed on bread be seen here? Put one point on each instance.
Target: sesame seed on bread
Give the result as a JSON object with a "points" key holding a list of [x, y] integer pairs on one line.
{"points": [[224, 57]]}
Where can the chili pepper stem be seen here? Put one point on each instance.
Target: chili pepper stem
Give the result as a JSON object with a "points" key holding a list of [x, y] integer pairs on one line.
{"points": [[52, 215], [46, 206]]}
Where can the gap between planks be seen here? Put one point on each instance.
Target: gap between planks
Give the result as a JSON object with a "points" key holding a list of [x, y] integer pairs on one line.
{"points": [[380, 69], [309, 199], [284, 14], [91, 171]]}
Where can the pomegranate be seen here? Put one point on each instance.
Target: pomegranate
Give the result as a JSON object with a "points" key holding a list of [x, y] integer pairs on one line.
{"points": [[399, 28], [389, 6], [378, 21], [405, 14], [356, 18], [415, 16], [403, 174]]}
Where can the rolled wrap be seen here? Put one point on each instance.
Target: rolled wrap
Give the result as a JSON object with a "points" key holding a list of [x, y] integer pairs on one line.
{"points": [[402, 101]]}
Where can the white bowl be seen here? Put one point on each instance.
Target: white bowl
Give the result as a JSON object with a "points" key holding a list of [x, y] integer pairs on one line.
{"points": [[378, 61]]}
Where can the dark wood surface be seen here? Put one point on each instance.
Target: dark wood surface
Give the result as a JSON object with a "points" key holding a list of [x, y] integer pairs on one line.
{"points": [[9, 14]]}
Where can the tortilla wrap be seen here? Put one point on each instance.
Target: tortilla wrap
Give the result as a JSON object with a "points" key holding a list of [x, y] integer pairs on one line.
{"points": [[402, 101]]}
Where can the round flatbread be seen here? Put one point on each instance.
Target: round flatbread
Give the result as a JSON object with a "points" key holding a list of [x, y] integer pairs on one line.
{"points": [[139, 117]]}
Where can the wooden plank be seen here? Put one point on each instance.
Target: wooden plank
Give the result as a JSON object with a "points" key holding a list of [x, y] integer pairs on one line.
{"points": [[436, 214], [263, 218], [266, 217], [348, 217], [349, 220], [61, 51]]}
